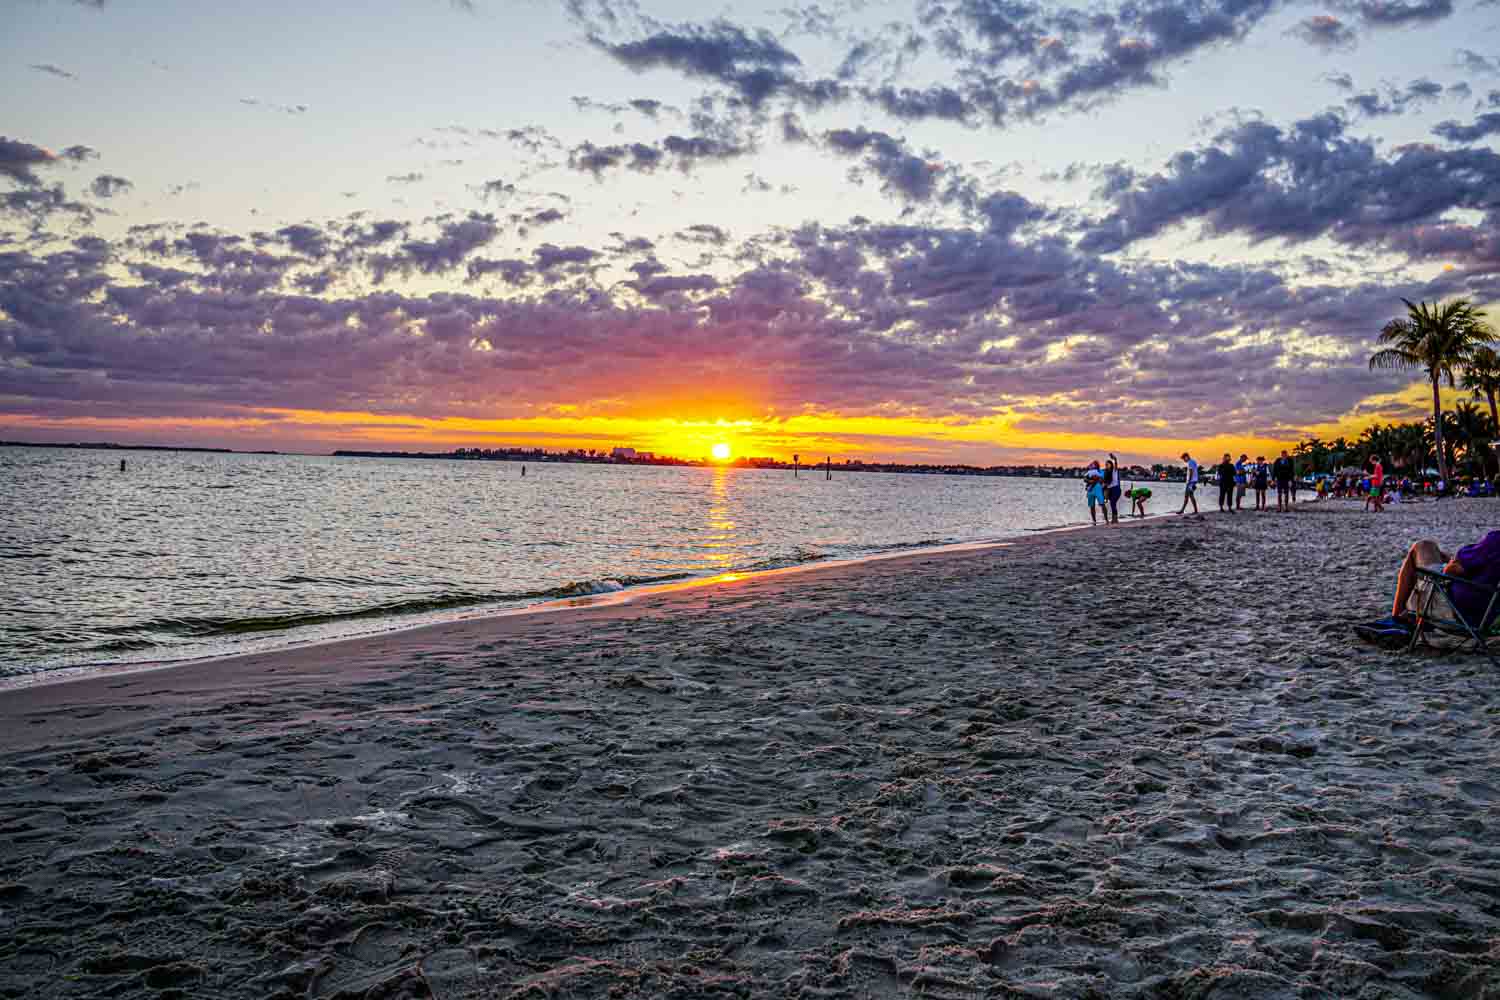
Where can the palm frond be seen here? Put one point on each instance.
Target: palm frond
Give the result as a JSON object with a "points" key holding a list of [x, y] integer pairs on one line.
{"points": [[1395, 357]]}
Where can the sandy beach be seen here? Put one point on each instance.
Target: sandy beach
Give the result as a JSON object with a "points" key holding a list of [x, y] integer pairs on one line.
{"points": [[1110, 763]]}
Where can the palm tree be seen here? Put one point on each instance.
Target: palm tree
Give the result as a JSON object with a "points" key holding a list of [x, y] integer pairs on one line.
{"points": [[1313, 454], [1473, 430], [1338, 451], [1409, 447], [1435, 340], [1482, 377]]}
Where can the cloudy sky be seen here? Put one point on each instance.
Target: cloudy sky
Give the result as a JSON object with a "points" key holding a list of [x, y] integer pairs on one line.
{"points": [[977, 230]]}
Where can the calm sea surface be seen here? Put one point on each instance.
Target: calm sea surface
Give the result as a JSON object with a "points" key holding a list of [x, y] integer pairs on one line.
{"points": [[187, 555]]}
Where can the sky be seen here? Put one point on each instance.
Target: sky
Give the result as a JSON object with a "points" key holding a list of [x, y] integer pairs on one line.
{"points": [[983, 231]]}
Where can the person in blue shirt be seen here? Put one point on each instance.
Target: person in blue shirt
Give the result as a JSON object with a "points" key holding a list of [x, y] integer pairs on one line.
{"points": [[1240, 481], [1093, 482]]}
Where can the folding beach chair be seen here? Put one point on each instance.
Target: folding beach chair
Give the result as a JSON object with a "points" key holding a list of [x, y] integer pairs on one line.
{"points": [[1451, 621]]}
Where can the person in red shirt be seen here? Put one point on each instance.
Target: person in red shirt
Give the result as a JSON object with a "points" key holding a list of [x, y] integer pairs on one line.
{"points": [[1377, 486]]}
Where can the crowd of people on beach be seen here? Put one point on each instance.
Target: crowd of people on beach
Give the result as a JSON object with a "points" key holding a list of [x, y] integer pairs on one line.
{"points": [[1104, 486], [1351, 486]]}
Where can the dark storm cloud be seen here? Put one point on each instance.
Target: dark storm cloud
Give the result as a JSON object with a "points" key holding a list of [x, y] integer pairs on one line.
{"points": [[80, 154], [1296, 184], [52, 70], [108, 185], [1326, 32], [1483, 126]]}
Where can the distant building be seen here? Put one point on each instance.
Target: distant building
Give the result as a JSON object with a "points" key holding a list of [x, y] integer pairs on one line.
{"points": [[623, 453]]}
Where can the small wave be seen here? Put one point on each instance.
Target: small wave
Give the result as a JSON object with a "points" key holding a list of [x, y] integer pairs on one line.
{"points": [[171, 631], [592, 587], [797, 558], [925, 543]]}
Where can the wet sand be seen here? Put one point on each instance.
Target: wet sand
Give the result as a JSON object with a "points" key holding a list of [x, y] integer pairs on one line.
{"points": [[1149, 762]]}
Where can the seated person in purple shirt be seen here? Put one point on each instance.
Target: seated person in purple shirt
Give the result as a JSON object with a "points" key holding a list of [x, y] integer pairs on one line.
{"points": [[1479, 562]]}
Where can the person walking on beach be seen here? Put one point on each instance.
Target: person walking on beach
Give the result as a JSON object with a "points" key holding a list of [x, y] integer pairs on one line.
{"points": [[1240, 481], [1190, 491], [1112, 487], [1261, 479], [1226, 484], [1377, 486], [1282, 470]]}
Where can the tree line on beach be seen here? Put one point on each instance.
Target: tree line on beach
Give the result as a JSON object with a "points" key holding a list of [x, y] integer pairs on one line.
{"points": [[1451, 344]]}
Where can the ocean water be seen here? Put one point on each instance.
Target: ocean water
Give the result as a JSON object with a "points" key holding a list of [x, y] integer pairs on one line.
{"points": [[188, 554]]}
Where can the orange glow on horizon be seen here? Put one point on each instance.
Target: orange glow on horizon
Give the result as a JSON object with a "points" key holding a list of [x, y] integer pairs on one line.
{"points": [[1001, 438]]}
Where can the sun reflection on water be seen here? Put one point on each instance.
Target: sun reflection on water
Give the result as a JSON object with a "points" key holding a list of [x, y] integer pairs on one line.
{"points": [[723, 538]]}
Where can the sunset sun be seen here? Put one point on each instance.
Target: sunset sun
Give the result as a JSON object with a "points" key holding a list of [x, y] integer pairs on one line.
{"points": [[720, 452]]}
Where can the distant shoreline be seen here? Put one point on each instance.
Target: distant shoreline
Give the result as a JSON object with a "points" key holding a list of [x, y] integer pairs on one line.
{"points": [[573, 458], [111, 446]]}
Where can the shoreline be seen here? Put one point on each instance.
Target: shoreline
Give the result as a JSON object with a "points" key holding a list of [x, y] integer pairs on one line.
{"points": [[81, 672]]}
